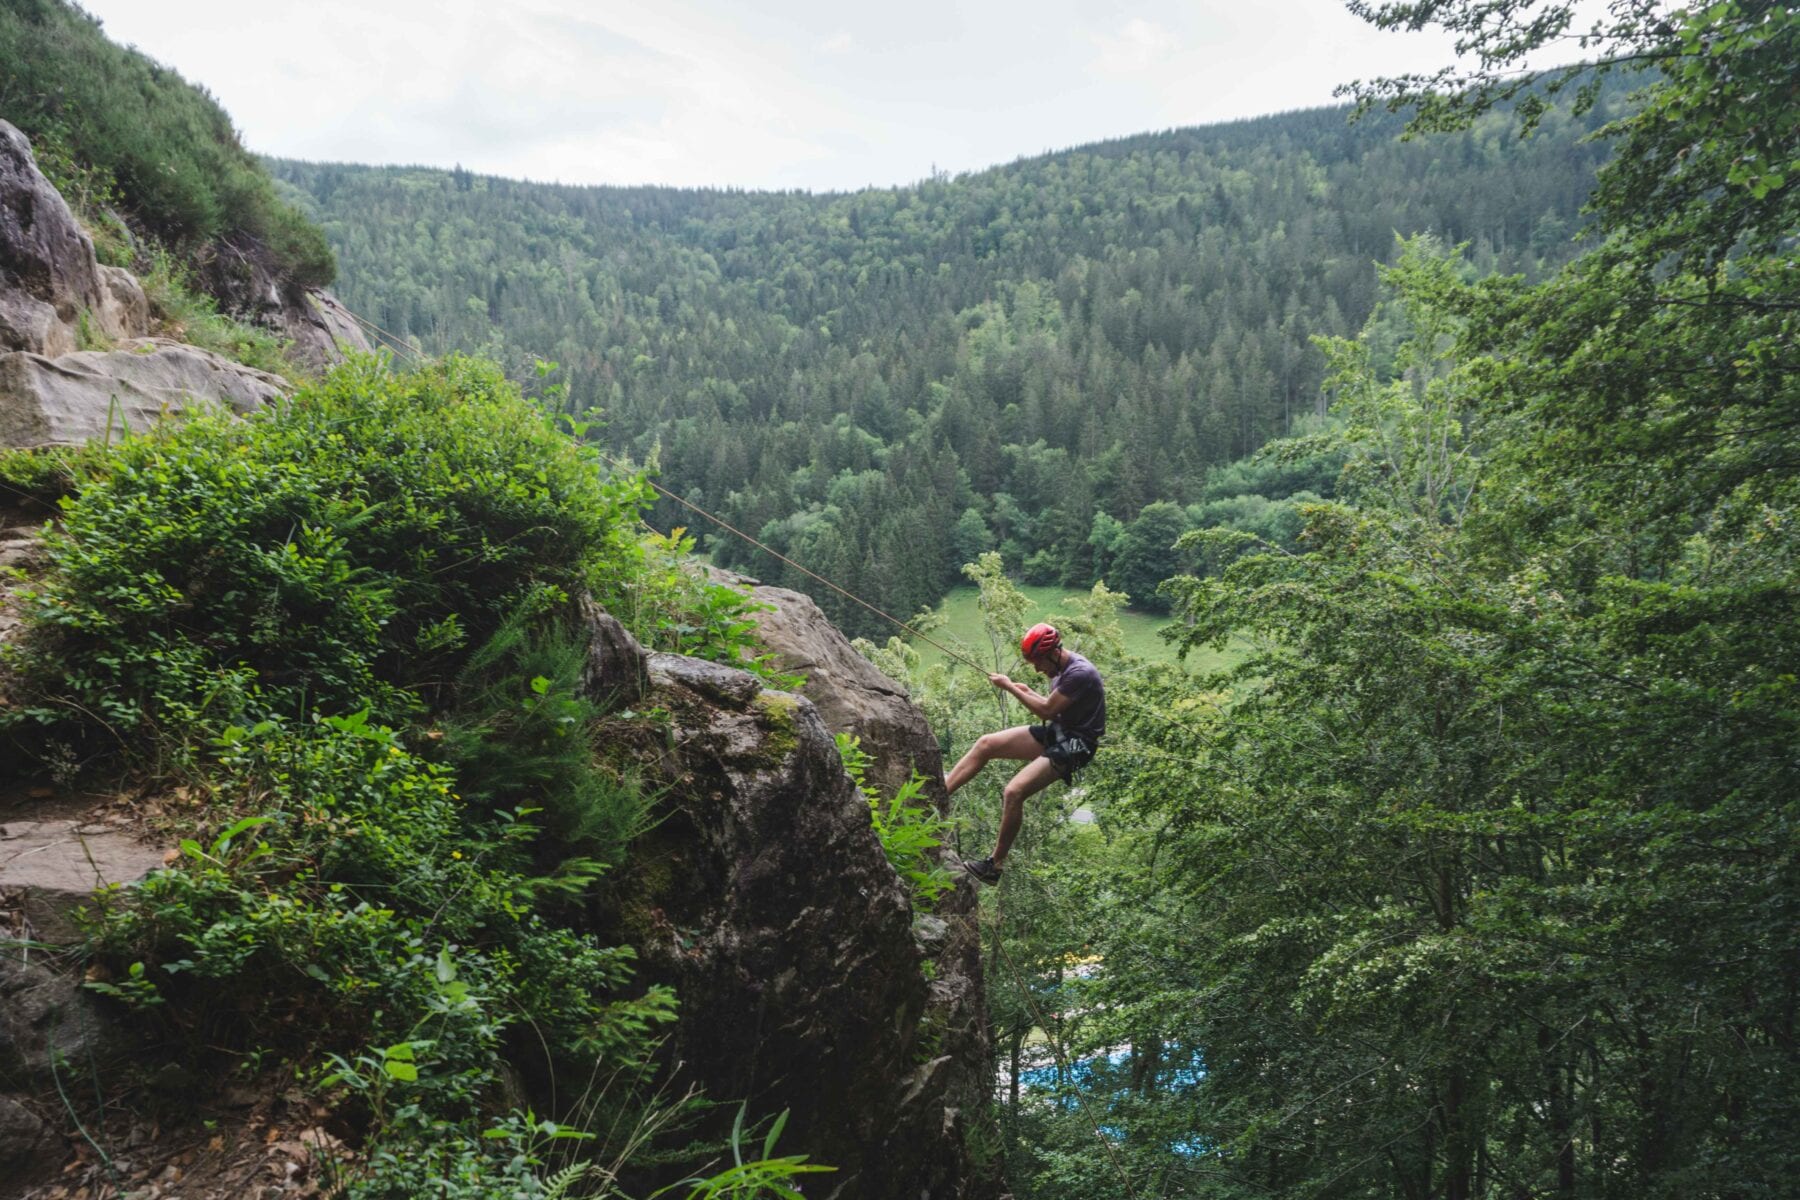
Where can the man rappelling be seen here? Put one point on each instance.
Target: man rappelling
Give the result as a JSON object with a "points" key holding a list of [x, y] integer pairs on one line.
{"points": [[1074, 715]]}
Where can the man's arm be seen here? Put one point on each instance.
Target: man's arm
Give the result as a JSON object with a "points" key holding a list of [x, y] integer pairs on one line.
{"points": [[1046, 707]]}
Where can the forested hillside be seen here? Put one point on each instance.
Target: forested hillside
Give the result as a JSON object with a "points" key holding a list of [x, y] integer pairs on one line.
{"points": [[1476, 878], [886, 383]]}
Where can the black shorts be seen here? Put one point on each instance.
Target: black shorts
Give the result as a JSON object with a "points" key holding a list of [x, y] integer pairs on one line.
{"points": [[1069, 751]]}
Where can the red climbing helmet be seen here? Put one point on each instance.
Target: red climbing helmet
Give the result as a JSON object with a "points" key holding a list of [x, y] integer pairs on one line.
{"points": [[1039, 639]]}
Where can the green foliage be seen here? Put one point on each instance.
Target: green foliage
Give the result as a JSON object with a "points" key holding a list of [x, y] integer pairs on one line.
{"points": [[909, 828], [671, 604], [509, 1160], [314, 555], [372, 908], [122, 127], [389, 899], [1147, 553], [767, 1175], [42, 476], [1499, 814], [520, 737]]}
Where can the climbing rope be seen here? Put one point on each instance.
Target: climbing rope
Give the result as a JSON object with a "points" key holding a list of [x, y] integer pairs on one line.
{"points": [[773, 553]]}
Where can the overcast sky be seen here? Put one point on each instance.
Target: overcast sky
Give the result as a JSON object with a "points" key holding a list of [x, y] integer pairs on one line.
{"points": [[813, 94]]}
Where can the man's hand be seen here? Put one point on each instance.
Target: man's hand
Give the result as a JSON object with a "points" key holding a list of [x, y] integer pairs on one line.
{"points": [[1001, 681]]}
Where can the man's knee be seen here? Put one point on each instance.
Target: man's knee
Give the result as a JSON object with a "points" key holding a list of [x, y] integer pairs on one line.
{"points": [[1018, 790]]}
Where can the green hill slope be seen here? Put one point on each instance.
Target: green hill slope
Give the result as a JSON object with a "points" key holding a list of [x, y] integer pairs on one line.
{"points": [[850, 375], [112, 126]]}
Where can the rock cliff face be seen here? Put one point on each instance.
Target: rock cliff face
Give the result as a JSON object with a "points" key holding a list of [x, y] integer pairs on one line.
{"points": [[242, 274], [90, 395], [49, 279], [764, 898], [853, 697], [55, 296]]}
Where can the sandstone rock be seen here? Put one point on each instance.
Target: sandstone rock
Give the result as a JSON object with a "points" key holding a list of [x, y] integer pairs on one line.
{"points": [[50, 869], [763, 897], [124, 309], [94, 394], [853, 697], [322, 329], [49, 270], [250, 285], [48, 274], [714, 681], [616, 671], [48, 1021]]}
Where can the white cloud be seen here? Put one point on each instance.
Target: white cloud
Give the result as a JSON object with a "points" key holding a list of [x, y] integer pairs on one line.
{"points": [[1139, 45], [779, 93]]}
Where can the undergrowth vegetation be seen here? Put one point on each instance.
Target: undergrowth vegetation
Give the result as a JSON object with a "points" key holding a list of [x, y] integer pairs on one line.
{"points": [[906, 824], [349, 627], [182, 310]]}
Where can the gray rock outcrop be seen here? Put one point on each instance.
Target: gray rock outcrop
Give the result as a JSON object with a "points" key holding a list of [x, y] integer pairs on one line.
{"points": [[250, 285], [764, 898], [852, 696], [49, 279], [95, 394], [50, 870], [49, 1026]]}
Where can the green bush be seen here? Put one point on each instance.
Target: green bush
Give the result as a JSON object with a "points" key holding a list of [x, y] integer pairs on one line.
{"points": [[369, 909], [41, 476], [384, 899], [909, 830], [521, 734], [338, 552]]}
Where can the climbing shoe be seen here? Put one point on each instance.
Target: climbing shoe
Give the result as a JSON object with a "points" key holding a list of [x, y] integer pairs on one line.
{"points": [[982, 869]]}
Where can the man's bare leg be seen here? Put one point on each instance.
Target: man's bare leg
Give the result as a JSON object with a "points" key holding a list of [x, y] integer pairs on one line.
{"points": [[1032, 778], [1014, 743]]}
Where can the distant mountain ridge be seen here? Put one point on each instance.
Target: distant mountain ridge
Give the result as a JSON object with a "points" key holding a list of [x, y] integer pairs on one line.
{"points": [[1040, 344]]}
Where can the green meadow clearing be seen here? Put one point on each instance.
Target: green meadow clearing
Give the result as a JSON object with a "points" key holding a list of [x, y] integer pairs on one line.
{"points": [[963, 622]]}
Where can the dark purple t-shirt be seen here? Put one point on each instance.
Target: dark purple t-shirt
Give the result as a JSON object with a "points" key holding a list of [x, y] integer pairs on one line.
{"points": [[1080, 682]]}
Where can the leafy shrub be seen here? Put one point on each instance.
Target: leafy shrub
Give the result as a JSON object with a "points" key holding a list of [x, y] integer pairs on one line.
{"points": [[370, 908], [674, 606], [319, 554], [43, 475], [909, 829], [521, 733], [402, 548]]}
